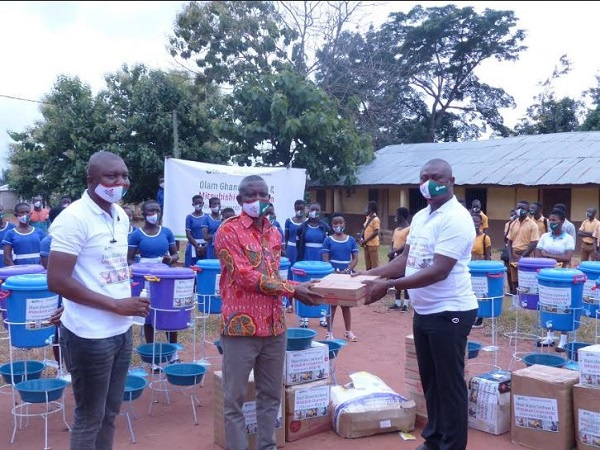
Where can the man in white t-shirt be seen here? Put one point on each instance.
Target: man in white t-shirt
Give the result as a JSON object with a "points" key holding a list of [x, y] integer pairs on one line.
{"points": [[434, 269], [88, 267]]}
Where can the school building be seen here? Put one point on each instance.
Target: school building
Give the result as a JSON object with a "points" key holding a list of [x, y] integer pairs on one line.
{"points": [[549, 168]]}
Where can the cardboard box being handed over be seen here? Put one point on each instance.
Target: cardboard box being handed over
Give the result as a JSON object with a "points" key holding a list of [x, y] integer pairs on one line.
{"points": [[342, 289]]}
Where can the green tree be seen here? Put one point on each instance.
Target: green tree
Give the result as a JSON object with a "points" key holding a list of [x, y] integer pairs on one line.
{"points": [[228, 39], [437, 51], [548, 114], [592, 117], [50, 157], [284, 120]]}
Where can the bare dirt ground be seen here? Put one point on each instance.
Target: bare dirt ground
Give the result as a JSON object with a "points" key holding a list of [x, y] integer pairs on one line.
{"points": [[380, 350]]}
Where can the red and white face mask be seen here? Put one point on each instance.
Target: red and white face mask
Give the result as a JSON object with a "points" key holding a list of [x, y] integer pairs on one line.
{"points": [[111, 194]]}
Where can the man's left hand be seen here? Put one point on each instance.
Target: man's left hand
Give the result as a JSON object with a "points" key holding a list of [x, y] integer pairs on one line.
{"points": [[376, 290], [303, 293]]}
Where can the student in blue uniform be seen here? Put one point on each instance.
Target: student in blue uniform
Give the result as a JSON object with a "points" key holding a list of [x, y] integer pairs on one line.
{"points": [[23, 240], [341, 251], [311, 235], [291, 226], [5, 227], [154, 243], [213, 220], [194, 222]]}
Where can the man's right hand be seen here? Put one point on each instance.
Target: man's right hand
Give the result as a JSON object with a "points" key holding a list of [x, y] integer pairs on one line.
{"points": [[303, 293], [132, 306]]}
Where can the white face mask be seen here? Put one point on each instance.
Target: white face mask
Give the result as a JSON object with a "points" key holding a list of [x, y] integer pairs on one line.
{"points": [[339, 230], [24, 219], [37, 204], [110, 194], [198, 208], [313, 214], [215, 209], [255, 209], [153, 219], [162, 185]]}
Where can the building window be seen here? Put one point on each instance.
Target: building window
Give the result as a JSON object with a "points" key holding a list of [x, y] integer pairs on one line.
{"points": [[416, 201], [476, 194], [322, 199]]}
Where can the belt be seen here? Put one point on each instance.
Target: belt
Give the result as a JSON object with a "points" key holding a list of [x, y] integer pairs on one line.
{"points": [[336, 261], [156, 259], [314, 245], [27, 255], [293, 244]]}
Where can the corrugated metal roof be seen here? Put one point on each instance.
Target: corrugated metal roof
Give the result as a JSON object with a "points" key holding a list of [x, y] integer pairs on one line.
{"points": [[547, 159]]}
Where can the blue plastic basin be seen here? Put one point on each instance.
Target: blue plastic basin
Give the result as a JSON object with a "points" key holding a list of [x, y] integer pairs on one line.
{"points": [[21, 371], [544, 359], [185, 374], [299, 338], [473, 348], [334, 348], [41, 390], [162, 352], [134, 386]]}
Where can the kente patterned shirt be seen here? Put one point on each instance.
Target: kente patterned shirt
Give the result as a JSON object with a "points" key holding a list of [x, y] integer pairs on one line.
{"points": [[250, 285]]}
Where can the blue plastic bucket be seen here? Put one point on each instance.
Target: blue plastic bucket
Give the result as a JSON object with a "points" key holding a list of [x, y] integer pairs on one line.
{"points": [[561, 298], [487, 279], [591, 291], [528, 269], [303, 271], [8, 271], [208, 274], [171, 297], [29, 307], [284, 268]]}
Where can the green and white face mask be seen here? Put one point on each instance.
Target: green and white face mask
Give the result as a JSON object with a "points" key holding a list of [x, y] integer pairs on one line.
{"points": [[431, 189]]}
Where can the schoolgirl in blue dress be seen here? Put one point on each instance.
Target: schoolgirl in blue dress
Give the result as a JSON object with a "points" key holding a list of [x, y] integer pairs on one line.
{"points": [[5, 227], [23, 240], [290, 231], [155, 244], [194, 223], [341, 250], [211, 225]]}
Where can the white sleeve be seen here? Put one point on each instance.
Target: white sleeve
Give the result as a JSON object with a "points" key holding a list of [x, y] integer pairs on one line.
{"points": [[68, 234]]}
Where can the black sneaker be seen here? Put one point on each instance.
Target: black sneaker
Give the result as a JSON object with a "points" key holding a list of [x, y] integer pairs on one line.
{"points": [[404, 308], [478, 322], [394, 306], [560, 349]]}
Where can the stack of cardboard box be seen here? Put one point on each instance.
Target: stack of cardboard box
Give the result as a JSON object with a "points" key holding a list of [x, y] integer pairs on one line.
{"points": [[489, 402], [342, 289], [307, 408], [586, 399]]}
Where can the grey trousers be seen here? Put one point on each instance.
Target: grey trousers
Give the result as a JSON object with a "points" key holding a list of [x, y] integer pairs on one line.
{"points": [[266, 355], [98, 370]]}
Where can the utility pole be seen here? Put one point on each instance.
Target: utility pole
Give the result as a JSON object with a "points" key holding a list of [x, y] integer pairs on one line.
{"points": [[176, 153]]}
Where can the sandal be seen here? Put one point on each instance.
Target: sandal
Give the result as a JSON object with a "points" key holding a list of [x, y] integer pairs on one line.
{"points": [[329, 336], [350, 336]]}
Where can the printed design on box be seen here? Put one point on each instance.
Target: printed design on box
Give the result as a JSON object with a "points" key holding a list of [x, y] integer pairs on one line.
{"points": [[312, 402], [558, 297], [537, 413], [38, 311], [249, 412], [589, 428], [589, 365], [528, 282], [183, 293], [480, 286], [590, 295], [307, 365], [483, 399]]}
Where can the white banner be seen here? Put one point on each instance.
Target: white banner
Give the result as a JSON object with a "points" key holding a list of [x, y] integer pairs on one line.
{"points": [[184, 179]]}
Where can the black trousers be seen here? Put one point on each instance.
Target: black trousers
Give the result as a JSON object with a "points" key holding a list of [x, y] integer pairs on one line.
{"points": [[440, 342]]}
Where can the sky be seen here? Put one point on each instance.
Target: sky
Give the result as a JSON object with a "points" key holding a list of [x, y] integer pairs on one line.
{"points": [[40, 41]]}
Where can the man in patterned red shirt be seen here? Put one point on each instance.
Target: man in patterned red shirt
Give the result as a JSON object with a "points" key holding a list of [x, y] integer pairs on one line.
{"points": [[252, 318]]}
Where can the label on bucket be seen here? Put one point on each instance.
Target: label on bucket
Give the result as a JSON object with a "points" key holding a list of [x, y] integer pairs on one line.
{"points": [[39, 310], [528, 281], [538, 413], [588, 293], [311, 402], [480, 286], [589, 427], [183, 293], [217, 282], [555, 296]]}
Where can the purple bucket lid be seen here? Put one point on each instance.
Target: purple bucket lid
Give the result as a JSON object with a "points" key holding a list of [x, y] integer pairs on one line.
{"points": [[145, 268], [23, 269], [536, 263], [173, 272]]}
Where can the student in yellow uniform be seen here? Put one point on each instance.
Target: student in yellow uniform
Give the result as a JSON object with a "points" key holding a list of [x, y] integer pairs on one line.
{"points": [[476, 209], [535, 211], [369, 239], [482, 249], [586, 233], [396, 248], [523, 237]]}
